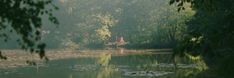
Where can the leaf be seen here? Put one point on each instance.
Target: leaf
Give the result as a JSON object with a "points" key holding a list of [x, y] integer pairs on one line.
{"points": [[171, 2]]}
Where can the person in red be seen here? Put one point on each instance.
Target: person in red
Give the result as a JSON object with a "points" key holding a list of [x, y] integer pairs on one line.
{"points": [[119, 41]]}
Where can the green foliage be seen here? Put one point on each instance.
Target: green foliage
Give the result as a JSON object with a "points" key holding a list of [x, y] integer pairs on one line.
{"points": [[24, 17], [69, 44], [107, 21], [93, 23], [210, 33]]}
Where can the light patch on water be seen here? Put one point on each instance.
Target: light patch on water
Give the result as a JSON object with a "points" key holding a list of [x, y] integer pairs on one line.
{"points": [[6, 72], [165, 65], [84, 67], [147, 73]]}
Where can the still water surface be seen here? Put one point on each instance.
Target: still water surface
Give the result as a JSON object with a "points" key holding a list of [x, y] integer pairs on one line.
{"points": [[107, 65]]}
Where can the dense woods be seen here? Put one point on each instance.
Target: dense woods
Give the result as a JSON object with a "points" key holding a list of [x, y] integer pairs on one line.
{"points": [[200, 28], [210, 33], [92, 24]]}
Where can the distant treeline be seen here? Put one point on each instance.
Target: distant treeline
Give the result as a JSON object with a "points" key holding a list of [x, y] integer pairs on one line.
{"points": [[93, 23]]}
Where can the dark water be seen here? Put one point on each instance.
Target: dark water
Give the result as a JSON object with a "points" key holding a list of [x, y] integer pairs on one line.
{"points": [[107, 66]]}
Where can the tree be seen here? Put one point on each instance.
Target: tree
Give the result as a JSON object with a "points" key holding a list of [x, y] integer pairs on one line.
{"points": [[210, 32], [140, 22], [24, 18], [210, 29]]}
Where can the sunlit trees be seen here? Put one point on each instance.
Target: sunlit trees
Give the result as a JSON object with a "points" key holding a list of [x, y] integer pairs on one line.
{"points": [[151, 24], [89, 21], [107, 21], [144, 24]]}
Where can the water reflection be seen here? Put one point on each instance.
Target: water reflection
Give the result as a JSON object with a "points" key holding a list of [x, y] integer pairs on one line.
{"points": [[120, 50], [189, 66], [106, 70], [70, 76], [104, 59], [116, 64]]}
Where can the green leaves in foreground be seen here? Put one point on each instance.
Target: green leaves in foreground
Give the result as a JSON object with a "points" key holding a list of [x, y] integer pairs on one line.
{"points": [[24, 17]]}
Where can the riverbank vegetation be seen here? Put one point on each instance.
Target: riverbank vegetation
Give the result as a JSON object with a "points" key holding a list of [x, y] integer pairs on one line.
{"points": [[210, 34], [92, 24], [200, 30]]}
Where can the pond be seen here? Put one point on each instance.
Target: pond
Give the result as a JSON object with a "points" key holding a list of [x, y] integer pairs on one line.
{"points": [[107, 64]]}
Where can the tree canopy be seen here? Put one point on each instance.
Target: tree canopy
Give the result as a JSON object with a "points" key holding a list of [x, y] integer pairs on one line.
{"points": [[210, 32], [92, 23], [24, 18]]}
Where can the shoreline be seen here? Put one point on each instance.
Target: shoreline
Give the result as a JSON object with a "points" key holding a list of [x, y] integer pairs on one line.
{"points": [[18, 58]]}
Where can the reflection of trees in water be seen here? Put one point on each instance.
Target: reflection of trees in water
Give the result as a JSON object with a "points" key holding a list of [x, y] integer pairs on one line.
{"points": [[198, 66], [120, 50], [199, 61], [108, 66], [104, 59], [106, 70], [189, 59], [185, 73]]}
